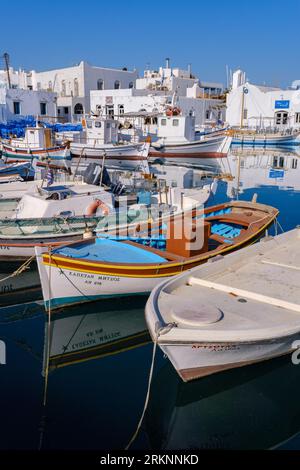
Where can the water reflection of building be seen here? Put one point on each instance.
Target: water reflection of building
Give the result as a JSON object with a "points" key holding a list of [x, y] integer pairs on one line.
{"points": [[252, 408], [103, 329], [270, 167]]}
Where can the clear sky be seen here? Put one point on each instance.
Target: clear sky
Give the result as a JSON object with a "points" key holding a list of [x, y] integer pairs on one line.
{"points": [[260, 36]]}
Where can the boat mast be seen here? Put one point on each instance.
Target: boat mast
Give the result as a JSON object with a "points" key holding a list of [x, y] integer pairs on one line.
{"points": [[242, 109], [244, 92]]}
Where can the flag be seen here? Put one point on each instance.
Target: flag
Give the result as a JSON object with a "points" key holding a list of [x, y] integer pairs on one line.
{"points": [[50, 177]]}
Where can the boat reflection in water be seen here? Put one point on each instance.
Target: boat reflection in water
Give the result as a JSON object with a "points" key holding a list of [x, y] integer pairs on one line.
{"points": [[256, 407], [103, 329]]}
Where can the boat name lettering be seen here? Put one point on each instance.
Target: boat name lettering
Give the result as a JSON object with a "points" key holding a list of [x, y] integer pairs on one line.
{"points": [[6, 288], [4, 247], [108, 278], [216, 347], [84, 344], [85, 275]]}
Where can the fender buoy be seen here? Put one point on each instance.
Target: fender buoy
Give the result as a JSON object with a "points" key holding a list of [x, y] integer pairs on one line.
{"points": [[94, 205], [175, 111]]}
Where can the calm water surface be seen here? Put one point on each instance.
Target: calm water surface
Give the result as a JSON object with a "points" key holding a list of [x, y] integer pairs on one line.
{"points": [[100, 357]]}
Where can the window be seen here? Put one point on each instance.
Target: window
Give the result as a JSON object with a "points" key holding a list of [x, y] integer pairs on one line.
{"points": [[163, 122], [294, 163], [245, 116], [63, 88], [43, 108], [107, 125], [175, 122], [76, 87], [281, 118], [100, 84], [50, 85], [97, 124], [89, 124], [278, 162], [17, 107], [121, 109], [110, 111], [78, 108], [297, 118], [66, 110], [117, 85], [207, 114], [130, 85]]}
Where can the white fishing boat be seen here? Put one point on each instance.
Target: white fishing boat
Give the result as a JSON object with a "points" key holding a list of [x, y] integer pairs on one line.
{"points": [[65, 213], [236, 311], [264, 137], [178, 143], [102, 142], [36, 144]]}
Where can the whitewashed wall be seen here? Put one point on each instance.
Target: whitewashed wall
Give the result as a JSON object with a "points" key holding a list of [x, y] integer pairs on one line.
{"points": [[29, 103], [260, 105]]}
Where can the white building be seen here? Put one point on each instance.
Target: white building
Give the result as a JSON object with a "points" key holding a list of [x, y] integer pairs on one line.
{"points": [[253, 106], [156, 89], [73, 85], [20, 100], [18, 78]]}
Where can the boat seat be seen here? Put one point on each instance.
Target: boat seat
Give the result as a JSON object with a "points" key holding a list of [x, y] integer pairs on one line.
{"points": [[220, 239], [236, 218]]}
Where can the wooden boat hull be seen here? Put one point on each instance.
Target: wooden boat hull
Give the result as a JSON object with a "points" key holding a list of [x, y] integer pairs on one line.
{"points": [[201, 153], [126, 157], [265, 325], [265, 140], [78, 280], [55, 154], [201, 359]]}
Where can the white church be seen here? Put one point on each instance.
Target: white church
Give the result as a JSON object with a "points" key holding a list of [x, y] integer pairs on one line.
{"points": [[260, 106]]}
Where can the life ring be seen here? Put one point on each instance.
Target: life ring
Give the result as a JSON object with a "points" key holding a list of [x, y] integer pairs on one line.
{"points": [[94, 205]]}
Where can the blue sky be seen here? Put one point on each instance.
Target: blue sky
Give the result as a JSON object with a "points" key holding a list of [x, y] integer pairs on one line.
{"points": [[260, 36]]}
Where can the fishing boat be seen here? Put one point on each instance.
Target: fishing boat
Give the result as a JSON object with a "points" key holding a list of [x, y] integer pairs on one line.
{"points": [[264, 138], [237, 311], [178, 142], [66, 213], [19, 171], [102, 142], [36, 144], [129, 263]]}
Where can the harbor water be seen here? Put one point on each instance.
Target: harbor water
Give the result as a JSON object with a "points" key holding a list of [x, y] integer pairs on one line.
{"points": [[96, 359]]}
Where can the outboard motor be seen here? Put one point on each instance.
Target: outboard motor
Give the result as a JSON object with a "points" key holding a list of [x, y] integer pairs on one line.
{"points": [[92, 175]]}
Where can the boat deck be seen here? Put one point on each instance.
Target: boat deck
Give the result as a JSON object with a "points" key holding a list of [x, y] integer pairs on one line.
{"points": [[257, 296]]}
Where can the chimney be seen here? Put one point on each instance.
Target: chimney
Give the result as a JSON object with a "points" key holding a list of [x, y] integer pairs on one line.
{"points": [[167, 63], [190, 70]]}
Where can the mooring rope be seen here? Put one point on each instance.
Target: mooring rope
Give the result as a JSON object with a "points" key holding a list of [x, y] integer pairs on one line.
{"points": [[20, 269], [47, 354], [163, 330]]}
